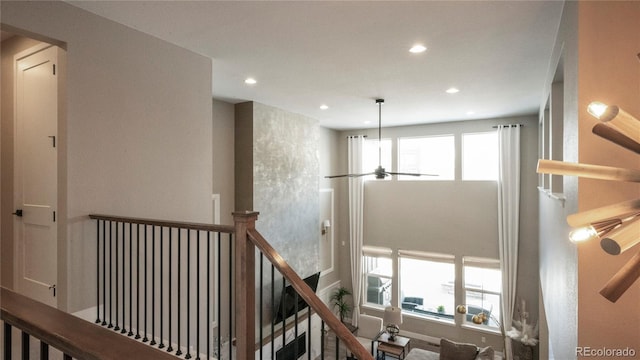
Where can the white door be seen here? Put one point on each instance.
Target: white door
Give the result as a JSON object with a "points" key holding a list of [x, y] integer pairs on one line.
{"points": [[36, 174]]}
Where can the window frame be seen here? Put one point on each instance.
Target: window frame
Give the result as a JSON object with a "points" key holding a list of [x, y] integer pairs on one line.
{"points": [[462, 154], [376, 252], [399, 140], [487, 263]]}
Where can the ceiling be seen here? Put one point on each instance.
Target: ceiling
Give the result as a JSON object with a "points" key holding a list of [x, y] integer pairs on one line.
{"points": [[347, 53]]}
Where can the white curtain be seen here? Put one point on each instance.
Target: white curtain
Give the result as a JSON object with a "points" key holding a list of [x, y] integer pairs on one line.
{"points": [[508, 221], [356, 210]]}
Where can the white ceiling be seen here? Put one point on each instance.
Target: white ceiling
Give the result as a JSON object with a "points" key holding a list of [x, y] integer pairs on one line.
{"points": [[347, 53]]}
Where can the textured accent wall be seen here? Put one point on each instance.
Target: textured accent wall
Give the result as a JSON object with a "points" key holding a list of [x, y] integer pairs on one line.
{"points": [[284, 168]]}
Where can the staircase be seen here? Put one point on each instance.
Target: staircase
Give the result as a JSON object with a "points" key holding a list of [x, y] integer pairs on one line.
{"points": [[187, 290]]}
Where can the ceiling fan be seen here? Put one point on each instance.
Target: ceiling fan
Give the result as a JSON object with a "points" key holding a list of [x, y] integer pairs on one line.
{"points": [[379, 172]]}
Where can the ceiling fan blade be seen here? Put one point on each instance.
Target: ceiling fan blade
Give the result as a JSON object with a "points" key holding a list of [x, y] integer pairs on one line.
{"points": [[347, 175], [410, 174]]}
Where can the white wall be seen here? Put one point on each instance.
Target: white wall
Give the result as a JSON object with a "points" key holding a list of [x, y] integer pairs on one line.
{"points": [[558, 257], [138, 130]]}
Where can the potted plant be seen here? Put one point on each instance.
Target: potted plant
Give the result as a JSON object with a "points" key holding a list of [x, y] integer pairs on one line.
{"points": [[440, 309], [338, 300]]}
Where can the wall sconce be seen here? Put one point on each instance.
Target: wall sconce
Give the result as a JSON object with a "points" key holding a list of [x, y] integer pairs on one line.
{"points": [[617, 118], [617, 225], [325, 226]]}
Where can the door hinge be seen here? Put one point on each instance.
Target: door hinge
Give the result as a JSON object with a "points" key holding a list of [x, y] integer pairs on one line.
{"points": [[54, 69], [54, 216], [54, 140]]}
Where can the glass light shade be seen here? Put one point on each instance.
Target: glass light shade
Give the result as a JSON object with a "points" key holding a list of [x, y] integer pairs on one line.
{"points": [[583, 234], [597, 109]]}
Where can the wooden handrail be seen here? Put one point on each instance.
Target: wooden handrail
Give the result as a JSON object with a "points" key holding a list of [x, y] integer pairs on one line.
{"points": [[309, 295], [229, 229], [73, 336]]}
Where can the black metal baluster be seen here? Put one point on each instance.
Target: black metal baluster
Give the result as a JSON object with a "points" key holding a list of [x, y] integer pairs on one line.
{"points": [[124, 285], [110, 275], [161, 287], [66, 357], [188, 356], [283, 312], [295, 326], [178, 351], [260, 302], [97, 271], [153, 285], [130, 280], [208, 294], [230, 296], [44, 350], [337, 347], [146, 301], [322, 340], [219, 296], [104, 273], [169, 347], [137, 282], [273, 300], [25, 346], [117, 328], [198, 295], [7, 341], [309, 333]]}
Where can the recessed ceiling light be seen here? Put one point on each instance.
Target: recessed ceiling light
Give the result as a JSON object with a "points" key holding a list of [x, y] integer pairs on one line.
{"points": [[367, 122], [452, 90], [324, 107], [416, 49], [470, 112], [250, 81]]}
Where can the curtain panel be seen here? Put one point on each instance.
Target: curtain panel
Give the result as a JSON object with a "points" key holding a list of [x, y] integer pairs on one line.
{"points": [[508, 221]]}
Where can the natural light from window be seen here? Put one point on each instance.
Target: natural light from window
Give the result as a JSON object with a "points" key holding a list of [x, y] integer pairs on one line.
{"points": [[480, 156], [427, 286], [427, 155]]}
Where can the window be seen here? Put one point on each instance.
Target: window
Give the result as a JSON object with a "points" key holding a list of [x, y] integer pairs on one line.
{"points": [[378, 273], [372, 156], [480, 156], [427, 155], [482, 289], [427, 284]]}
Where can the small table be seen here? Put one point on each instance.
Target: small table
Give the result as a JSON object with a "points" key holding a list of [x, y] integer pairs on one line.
{"points": [[399, 347]]}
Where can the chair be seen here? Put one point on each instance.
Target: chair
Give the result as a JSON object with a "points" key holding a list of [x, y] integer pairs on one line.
{"points": [[369, 327]]}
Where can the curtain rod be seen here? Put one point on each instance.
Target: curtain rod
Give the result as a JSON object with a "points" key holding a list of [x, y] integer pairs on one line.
{"points": [[354, 136], [509, 125]]}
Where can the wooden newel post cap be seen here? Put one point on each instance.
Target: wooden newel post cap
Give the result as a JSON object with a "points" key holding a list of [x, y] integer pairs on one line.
{"points": [[245, 215]]}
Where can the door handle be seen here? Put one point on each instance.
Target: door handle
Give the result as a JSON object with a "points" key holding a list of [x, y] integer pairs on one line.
{"points": [[17, 213]]}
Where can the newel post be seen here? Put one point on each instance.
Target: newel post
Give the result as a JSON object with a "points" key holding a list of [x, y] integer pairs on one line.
{"points": [[245, 285]]}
